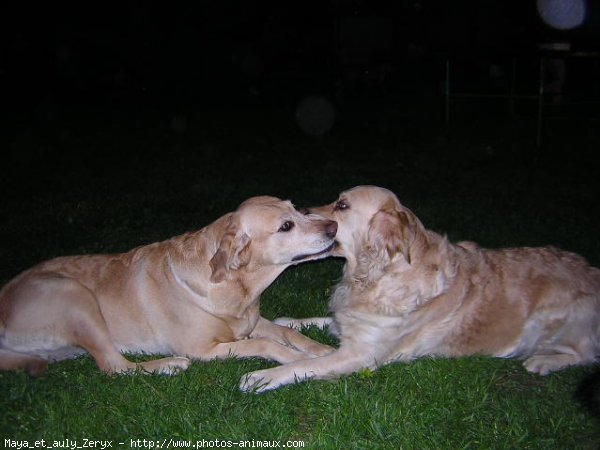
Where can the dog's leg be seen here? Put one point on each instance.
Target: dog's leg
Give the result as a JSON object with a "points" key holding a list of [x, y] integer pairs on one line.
{"points": [[290, 337], [260, 347], [55, 315], [544, 364], [344, 361], [12, 360], [89, 331], [319, 322], [574, 343], [100, 346], [558, 357]]}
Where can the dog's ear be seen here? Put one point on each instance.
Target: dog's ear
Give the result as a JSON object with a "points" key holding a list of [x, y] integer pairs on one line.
{"points": [[391, 231], [233, 253]]}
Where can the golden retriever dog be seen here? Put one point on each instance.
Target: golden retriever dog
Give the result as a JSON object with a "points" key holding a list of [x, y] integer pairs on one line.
{"points": [[195, 296], [408, 292]]}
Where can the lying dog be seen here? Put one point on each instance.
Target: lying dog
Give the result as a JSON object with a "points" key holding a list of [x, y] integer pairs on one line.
{"points": [[407, 292], [195, 295]]}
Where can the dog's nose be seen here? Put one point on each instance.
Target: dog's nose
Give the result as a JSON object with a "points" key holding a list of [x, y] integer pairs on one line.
{"points": [[331, 229]]}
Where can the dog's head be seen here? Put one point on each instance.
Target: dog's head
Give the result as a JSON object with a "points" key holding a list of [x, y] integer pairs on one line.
{"points": [[370, 216], [266, 231]]}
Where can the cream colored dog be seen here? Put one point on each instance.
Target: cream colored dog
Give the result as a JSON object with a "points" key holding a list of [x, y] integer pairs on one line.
{"points": [[407, 292], [195, 296]]}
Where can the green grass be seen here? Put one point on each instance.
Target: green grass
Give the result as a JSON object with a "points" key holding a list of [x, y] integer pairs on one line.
{"points": [[111, 187]]}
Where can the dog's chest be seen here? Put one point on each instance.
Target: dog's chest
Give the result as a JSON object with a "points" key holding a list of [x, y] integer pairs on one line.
{"points": [[242, 328], [242, 324], [387, 297]]}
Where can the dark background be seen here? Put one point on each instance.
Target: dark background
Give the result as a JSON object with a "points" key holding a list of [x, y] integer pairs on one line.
{"points": [[67, 59], [223, 53], [127, 123]]}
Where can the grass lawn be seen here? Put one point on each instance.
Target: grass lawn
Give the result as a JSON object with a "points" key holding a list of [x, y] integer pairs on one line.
{"points": [[116, 178]]}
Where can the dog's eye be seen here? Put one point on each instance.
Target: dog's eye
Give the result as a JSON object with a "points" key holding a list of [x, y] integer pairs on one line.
{"points": [[286, 226], [341, 205]]}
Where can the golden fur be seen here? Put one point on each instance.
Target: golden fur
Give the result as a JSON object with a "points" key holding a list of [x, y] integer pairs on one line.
{"points": [[408, 292], [195, 296]]}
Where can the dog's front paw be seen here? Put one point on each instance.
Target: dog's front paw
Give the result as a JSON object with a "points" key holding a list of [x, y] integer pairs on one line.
{"points": [[257, 382]]}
